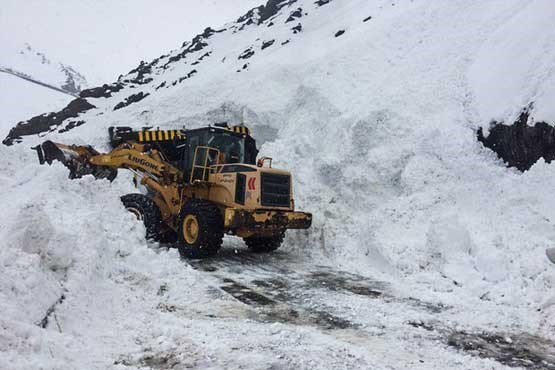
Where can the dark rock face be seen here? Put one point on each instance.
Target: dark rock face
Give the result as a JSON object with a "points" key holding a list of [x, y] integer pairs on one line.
{"points": [[249, 16], [198, 43], [298, 28], [367, 18], [298, 13], [339, 33], [519, 144], [131, 99], [47, 122], [189, 75], [104, 91], [246, 54], [205, 55], [267, 44], [142, 70], [322, 2], [71, 125], [208, 31], [271, 8]]}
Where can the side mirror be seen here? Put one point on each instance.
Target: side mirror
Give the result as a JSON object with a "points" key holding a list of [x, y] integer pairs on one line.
{"points": [[261, 161]]}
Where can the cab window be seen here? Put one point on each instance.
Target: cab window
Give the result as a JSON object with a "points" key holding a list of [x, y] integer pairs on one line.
{"points": [[232, 147]]}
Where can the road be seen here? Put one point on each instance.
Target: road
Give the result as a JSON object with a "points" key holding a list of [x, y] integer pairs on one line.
{"points": [[363, 311]]}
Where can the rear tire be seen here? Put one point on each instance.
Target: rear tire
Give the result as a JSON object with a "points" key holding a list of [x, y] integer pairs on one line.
{"points": [[264, 244], [201, 229], [147, 211]]}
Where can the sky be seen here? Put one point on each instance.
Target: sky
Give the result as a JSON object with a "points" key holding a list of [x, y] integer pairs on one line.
{"points": [[105, 38]]}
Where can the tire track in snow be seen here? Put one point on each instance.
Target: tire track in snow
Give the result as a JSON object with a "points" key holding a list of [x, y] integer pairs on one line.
{"points": [[283, 290]]}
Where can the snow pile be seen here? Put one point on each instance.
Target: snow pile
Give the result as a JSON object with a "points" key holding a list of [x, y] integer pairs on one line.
{"points": [[378, 126]]}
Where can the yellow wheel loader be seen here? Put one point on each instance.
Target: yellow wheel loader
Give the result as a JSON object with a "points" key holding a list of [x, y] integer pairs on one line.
{"points": [[201, 183]]}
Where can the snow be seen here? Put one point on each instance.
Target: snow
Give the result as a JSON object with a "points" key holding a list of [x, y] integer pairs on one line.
{"points": [[378, 127], [514, 67]]}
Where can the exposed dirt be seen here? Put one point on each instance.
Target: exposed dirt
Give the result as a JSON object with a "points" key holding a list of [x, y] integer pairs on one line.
{"points": [[515, 350]]}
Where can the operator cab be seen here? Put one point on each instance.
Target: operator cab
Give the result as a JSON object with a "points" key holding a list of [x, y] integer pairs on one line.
{"points": [[234, 147]]}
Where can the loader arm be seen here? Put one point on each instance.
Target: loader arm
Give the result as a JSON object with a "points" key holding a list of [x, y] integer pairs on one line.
{"points": [[137, 157], [85, 160]]}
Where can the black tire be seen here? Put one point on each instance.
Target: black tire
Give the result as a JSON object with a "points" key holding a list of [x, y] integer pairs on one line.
{"points": [[264, 244], [210, 229], [147, 211]]}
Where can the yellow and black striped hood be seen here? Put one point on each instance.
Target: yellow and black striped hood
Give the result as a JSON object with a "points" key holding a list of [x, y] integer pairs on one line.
{"points": [[160, 135], [146, 136], [240, 130]]}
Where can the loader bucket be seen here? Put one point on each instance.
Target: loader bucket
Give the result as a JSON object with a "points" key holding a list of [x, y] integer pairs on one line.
{"points": [[49, 151], [76, 158]]}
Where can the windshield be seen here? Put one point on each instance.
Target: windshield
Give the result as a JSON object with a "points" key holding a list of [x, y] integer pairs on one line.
{"points": [[232, 147]]}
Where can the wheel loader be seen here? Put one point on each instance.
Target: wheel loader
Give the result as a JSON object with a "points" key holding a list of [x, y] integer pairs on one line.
{"points": [[200, 184]]}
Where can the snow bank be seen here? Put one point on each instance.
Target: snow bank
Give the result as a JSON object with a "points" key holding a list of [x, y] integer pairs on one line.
{"points": [[72, 260]]}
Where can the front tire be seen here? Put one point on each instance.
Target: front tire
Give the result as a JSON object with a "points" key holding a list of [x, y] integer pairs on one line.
{"points": [[264, 244], [201, 229], [147, 211]]}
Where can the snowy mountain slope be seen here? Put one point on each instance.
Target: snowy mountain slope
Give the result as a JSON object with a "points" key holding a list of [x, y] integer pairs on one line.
{"points": [[103, 38], [31, 83], [378, 124], [34, 66], [62, 32]]}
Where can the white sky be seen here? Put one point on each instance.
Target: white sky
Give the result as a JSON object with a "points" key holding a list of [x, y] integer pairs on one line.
{"points": [[105, 38]]}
